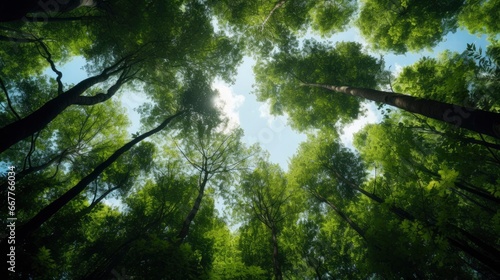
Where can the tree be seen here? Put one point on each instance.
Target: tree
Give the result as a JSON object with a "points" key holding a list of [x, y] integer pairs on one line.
{"points": [[53, 207], [335, 176], [400, 26], [267, 199], [288, 70], [212, 154], [445, 202], [125, 47], [264, 26], [228, 262], [27, 126], [278, 83]]}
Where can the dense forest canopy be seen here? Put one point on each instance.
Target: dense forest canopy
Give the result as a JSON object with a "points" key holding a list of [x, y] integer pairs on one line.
{"points": [[417, 195]]}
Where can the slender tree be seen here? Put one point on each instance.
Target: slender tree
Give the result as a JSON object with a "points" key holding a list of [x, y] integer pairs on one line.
{"points": [[51, 209], [216, 154]]}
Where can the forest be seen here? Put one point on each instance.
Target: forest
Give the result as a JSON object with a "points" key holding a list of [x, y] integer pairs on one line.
{"points": [[184, 197]]}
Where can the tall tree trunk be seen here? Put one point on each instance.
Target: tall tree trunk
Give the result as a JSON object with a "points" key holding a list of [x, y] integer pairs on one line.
{"points": [[346, 218], [18, 130], [276, 263], [196, 206], [62, 19], [480, 121], [51, 209], [277, 6], [16, 10], [491, 259]]}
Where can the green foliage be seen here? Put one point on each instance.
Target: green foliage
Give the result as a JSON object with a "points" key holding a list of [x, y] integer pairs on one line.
{"points": [[479, 17], [413, 198], [400, 26], [280, 82], [264, 26]]}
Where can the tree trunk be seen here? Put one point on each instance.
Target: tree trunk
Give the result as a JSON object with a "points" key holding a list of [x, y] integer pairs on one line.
{"points": [[51, 209], [480, 121], [18, 130], [351, 223], [277, 6], [190, 217], [276, 263], [17, 10], [490, 260]]}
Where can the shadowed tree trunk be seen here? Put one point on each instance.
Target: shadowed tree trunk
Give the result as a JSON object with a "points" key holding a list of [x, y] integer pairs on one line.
{"points": [[490, 257], [276, 263], [351, 223], [51, 209], [16, 10], [190, 217], [20, 129], [480, 121]]}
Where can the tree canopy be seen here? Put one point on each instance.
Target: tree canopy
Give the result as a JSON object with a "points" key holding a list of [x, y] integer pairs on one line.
{"points": [[182, 195]]}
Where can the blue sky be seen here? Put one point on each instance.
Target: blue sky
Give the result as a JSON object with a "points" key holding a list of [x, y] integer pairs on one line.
{"points": [[273, 133]]}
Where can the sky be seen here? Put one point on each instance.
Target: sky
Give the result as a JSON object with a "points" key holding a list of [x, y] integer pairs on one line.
{"points": [[273, 132]]}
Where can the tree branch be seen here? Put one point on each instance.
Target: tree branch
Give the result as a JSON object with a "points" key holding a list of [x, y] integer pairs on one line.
{"points": [[48, 57], [277, 6], [8, 99]]}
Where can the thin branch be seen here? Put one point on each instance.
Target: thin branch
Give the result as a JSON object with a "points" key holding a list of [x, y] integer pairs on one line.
{"points": [[27, 159], [188, 159], [48, 57], [491, 152], [9, 102], [277, 6], [60, 19], [17, 40]]}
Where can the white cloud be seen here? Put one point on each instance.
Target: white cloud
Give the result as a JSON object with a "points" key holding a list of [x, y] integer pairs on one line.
{"points": [[229, 104], [276, 123], [397, 69], [371, 116], [265, 111]]}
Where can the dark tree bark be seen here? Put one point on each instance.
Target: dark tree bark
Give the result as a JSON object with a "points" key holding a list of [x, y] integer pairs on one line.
{"points": [[12, 10], [51, 209], [490, 259], [346, 218], [15, 9], [480, 121], [196, 206], [276, 263], [20, 129]]}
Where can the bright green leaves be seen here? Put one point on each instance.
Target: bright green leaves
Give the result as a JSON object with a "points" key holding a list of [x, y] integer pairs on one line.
{"points": [[448, 178], [451, 78], [228, 263], [480, 17], [327, 169], [280, 81], [413, 25], [43, 262], [276, 24], [329, 17], [265, 194], [400, 26]]}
